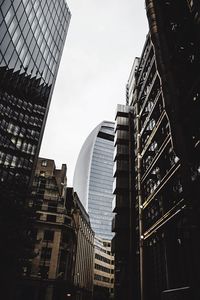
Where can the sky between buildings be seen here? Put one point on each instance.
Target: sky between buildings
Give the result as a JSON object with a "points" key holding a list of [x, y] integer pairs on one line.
{"points": [[103, 39]]}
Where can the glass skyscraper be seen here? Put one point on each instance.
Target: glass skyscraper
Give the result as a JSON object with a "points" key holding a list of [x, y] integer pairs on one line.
{"points": [[93, 178], [32, 37]]}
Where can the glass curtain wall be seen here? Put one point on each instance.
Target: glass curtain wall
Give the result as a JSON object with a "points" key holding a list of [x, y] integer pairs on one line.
{"points": [[31, 43], [93, 178]]}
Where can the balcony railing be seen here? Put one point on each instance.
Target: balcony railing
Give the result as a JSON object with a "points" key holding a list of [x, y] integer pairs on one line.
{"points": [[183, 293]]}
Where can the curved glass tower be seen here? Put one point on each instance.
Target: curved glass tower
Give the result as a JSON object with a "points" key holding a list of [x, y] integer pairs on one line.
{"points": [[93, 178]]}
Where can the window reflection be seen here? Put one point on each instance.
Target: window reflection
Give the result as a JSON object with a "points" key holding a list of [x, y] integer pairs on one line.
{"points": [[22, 116]]}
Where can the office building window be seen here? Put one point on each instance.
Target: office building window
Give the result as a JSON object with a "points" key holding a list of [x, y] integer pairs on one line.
{"points": [[48, 235], [44, 163]]}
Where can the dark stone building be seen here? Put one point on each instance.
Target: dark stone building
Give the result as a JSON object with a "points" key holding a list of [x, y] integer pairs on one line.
{"points": [[32, 39], [64, 241], [50, 274], [84, 265], [163, 93]]}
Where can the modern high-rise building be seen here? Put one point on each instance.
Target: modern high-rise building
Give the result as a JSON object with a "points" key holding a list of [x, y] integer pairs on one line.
{"points": [[32, 39], [32, 36], [93, 178], [93, 182], [163, 94]]}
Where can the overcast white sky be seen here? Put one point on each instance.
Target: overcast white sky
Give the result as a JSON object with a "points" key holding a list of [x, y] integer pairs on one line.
{"points": [[103, 39]]}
